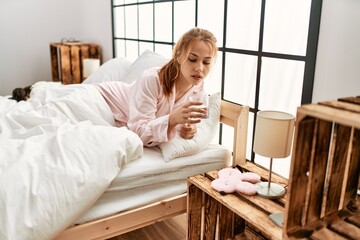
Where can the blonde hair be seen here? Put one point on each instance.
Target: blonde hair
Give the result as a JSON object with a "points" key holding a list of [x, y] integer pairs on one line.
{"points": [[171, 70]]}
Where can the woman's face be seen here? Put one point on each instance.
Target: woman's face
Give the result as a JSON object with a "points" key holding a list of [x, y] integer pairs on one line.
{"points": [[197, 63]]}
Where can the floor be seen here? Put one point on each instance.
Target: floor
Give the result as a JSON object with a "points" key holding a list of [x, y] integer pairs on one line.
{"points": [[172, 229]]}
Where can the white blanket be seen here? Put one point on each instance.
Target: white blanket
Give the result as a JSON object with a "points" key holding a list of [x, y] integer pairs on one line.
{"points": [[58, 154]]}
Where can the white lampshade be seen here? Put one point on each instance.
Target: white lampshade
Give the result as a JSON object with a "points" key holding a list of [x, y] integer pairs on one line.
{"points": [[90, 65], [273, 138], [273, 134]]}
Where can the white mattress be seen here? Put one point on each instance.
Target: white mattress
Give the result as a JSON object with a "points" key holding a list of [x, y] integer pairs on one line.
{"points": [[150, 179]]}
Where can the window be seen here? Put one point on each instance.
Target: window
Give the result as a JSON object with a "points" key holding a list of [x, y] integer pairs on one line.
{"points": [[267, 49]]}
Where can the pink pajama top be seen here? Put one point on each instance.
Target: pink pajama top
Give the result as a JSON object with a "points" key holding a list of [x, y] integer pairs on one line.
{"points": [[143, 107]]}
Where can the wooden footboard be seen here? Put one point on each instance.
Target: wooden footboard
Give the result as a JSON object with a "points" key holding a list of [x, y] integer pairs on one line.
{"points": [[233, 115]]}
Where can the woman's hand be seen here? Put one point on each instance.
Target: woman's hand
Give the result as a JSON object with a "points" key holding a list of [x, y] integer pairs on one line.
{"points": [[187, 131], [189, 112]]}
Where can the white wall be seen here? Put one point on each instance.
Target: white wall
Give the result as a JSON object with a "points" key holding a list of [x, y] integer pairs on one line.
{"points": [[28, 26], [337, 72]]}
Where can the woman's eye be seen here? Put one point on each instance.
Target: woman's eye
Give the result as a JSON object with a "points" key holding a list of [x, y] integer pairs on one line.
{"points": [[206, 63], [192, 60]]}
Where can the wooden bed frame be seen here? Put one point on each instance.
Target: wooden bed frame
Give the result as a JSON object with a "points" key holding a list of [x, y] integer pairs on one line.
{"points": [[233, 115]]}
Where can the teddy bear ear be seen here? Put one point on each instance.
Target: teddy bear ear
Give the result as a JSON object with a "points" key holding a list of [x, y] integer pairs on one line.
{"points": [[250, 177], [223, 185], [246, 188]]}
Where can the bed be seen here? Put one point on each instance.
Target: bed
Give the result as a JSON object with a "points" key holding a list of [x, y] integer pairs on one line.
{"points": [[52, 184]]}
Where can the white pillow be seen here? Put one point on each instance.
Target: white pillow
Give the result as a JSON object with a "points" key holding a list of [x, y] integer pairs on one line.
{"points": [[113, 70], [146, 60], [206, 130]]}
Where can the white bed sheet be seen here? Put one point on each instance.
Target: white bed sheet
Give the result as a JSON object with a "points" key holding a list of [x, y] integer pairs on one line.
{"points": [[50, 152], [151, 179], [151, 167]]}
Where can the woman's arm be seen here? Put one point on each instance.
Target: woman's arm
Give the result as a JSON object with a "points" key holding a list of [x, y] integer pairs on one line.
{"points": [[149, 110]]}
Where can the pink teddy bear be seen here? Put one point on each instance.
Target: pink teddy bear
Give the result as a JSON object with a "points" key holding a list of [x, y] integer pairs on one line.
{"points": [[231, 180]]}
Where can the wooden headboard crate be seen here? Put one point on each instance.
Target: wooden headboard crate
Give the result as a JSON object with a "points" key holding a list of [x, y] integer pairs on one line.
{"points": [[67, 60], [322, 197]]}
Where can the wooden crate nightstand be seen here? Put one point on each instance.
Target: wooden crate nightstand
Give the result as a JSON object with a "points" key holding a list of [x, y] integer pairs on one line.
{"points": [[321, 201], [237, 215], [67, 60]]}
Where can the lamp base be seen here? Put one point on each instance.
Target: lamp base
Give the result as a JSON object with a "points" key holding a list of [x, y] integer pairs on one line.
{"points": [[277, 218], [275, 190]]}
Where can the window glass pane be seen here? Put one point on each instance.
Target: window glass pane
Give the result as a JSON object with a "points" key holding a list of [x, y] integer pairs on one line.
{"points": [[146, 21], [119, 29], [118, 2], [132, 50], [286, 26], [280, 166], [285, 32], [213, 80], [215, 139], [227, 138], [250, 135], [243, 24], [131, 23], [120, 48], [129, 1], [145, 46], [281, 84], [164, 49], [163, 22], [211, 17], [183, 24], [240, 76]]}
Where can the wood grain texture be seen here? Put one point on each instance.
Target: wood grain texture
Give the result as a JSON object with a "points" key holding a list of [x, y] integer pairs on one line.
{"points": [[345, 105], [354, 171], [325, 233], [244, 209], [54, 62], [325, 170], [210, 217], [75, 64], [65, 64], [225, 223], [194, 209], [317, 171], [336, 171], [347, 230], [304, 140], [173, 228]]}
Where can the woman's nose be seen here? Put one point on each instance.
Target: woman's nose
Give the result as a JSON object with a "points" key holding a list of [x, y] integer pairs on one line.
{"points": [[199, 68]]}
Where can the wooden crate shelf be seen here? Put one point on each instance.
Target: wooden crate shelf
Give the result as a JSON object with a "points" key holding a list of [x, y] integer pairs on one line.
{"points": [[231, 216], [67, 60], [324, 175]]}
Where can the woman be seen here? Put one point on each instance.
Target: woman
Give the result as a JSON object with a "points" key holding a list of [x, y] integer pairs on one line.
{"points": [[155, 105]]}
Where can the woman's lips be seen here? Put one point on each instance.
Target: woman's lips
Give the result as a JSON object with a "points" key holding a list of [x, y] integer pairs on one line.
{"points": [[197, 77]]}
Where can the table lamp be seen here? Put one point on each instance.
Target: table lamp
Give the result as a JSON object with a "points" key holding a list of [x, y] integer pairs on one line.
{"points": [[90, 65], [273, 138]]}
